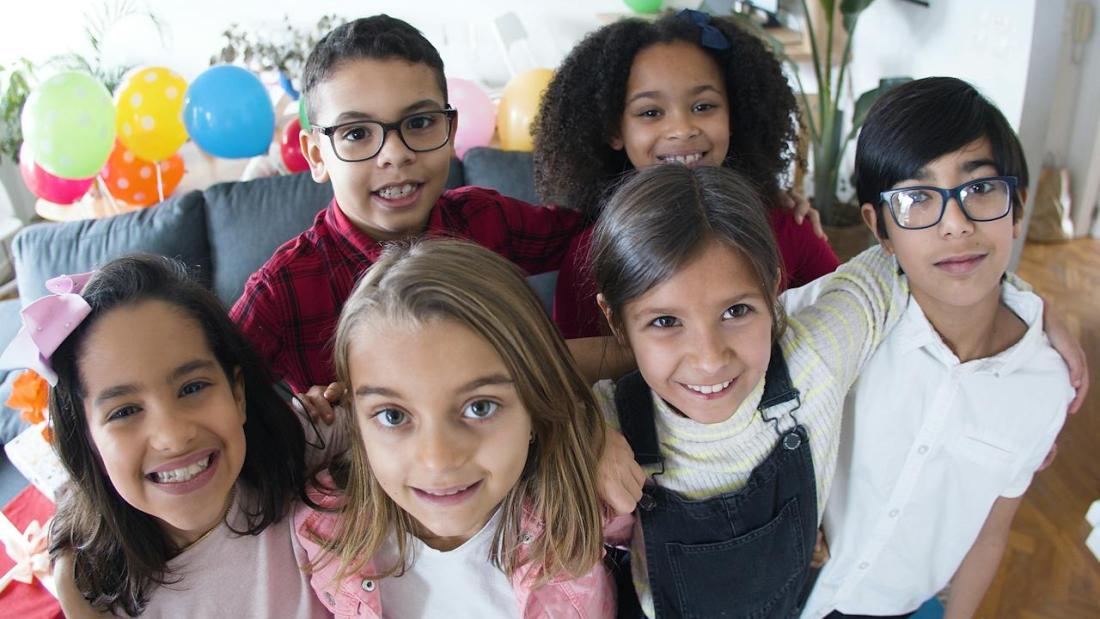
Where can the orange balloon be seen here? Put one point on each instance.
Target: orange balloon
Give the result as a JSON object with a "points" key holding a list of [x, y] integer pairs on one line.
{"points": [[132, 179]]}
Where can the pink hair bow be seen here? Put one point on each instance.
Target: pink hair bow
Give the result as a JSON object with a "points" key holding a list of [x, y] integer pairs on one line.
{"points": [[46, 324]]}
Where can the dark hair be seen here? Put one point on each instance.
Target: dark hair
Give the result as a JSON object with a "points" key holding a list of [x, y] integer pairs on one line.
{"points": [[120, 553], [661, 218], [582, 109], [917, 122], [378, 37]]}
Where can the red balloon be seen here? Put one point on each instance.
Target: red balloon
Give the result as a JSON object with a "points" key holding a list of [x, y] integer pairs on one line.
{"points": [[47, 186], [290, 148]]}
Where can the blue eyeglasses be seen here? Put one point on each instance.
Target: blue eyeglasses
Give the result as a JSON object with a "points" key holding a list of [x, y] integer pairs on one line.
{"points": [[923, 206]]}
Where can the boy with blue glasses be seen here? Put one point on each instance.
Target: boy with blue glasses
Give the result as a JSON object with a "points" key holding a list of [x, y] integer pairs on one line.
{"points": [[960, 405]]}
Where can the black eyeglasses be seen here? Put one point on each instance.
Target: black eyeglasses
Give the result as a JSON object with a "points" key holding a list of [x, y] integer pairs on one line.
{"points": [[420, 132], [981, 199]]}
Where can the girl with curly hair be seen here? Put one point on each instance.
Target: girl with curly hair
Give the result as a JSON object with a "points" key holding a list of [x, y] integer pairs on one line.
{"points": [[687, 88]]}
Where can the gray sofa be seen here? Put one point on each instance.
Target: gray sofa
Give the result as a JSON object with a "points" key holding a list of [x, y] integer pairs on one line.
{"points": [[225, 232]]}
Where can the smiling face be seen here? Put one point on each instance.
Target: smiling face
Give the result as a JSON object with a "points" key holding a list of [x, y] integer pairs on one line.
{"points": [[389, 196], [166, 421], [676, 108], [702, 337], [956, 264], [445, 432]]}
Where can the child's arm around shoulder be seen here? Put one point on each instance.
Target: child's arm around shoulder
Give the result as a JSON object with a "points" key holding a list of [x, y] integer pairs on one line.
{"points": [[855, 308], [534, 237]]}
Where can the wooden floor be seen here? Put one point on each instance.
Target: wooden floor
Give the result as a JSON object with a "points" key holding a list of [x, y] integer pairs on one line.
{"points": [[1047, 573]]}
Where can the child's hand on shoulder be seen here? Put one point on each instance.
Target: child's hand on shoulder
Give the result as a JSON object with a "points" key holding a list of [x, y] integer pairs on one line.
{"points": [[800, 207], [319, 402], [620, 478]]}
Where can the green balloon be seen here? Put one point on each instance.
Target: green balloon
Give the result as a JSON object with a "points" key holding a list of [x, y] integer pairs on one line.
{"points": [[69, 125], [303, 120], [645, 6]]}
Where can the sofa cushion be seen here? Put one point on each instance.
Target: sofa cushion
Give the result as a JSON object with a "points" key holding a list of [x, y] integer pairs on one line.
{"points": [[507, 171], [175, 227], [247, 221]]}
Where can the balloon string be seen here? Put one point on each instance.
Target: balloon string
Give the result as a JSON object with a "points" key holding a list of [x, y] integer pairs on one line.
{"points": [[107, 194], [160, 183]]}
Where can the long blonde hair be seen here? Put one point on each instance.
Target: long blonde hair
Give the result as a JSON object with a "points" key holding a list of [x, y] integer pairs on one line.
{"points": [[462, 282]]}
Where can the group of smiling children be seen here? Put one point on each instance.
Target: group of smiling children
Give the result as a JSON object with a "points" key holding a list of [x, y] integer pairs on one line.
{"points": [[903, 402]]}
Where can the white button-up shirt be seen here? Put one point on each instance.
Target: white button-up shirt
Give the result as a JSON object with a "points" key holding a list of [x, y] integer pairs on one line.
{"points": [[928, 444]]}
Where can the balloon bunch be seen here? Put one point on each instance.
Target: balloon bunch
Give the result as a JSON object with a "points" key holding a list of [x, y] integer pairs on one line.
{"points": [[478, 119], [75, 135]]}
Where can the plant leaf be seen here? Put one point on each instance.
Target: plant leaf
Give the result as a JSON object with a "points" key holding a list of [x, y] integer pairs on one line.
{"points": [[850, 10], [867, 99]]}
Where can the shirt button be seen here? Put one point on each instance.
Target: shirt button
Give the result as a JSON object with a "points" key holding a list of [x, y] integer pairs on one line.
{"points": [[527, 538], [864, 565], [894, 513], [923, 449], [368, 585]]}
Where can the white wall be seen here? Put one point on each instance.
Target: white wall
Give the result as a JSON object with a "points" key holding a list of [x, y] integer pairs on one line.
{"points": [[1009, 49], [460, 29]]}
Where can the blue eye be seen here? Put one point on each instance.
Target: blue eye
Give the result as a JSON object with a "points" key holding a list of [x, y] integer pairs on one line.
{"points": [[391, 417], [665, 322], [736, 311], [480, 409]]}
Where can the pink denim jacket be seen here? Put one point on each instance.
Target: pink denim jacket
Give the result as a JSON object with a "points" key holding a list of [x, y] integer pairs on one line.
{"points": [[591, 596]]}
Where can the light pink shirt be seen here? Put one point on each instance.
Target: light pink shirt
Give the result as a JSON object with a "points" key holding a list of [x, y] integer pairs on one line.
{"points": [[239, 576]]}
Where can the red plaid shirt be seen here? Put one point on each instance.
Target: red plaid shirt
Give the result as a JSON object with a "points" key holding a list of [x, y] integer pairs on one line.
{"points": [[289, 307]]}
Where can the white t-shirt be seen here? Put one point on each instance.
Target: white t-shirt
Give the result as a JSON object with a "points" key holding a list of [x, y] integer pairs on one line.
{"points": [[456, 583], [928, 444]]}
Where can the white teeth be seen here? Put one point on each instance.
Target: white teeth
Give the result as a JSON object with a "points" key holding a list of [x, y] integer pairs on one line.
{"points": [[184, 474], [448, 493], [684, 159], [394, 192], [708, 389]]}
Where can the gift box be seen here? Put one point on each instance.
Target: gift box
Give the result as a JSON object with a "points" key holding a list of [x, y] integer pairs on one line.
{"points": [[34, 457], [23, 526]]}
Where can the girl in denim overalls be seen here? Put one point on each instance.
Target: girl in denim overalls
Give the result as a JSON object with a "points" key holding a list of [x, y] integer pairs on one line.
{"points": [[735, 411]]}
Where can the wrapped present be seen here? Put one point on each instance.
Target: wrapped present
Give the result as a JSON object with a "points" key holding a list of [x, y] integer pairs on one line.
{"points": [[32, 455], [26, 586]]}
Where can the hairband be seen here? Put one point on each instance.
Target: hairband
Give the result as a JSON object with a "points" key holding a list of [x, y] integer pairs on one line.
{"points": [[710, 36], [46, 324]]}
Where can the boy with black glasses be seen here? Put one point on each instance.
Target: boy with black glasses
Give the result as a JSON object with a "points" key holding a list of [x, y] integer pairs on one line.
{"points": [[383, 134], [959, 406]]}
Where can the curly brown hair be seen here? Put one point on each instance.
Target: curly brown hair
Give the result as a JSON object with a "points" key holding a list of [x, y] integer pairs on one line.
{"points": [[582, 109]]}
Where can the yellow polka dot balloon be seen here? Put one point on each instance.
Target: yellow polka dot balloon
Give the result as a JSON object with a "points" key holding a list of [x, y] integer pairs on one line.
{"points": [[149, 105]]}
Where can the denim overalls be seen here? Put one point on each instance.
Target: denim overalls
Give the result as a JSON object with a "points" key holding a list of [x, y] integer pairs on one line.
{"points": [[739, 554]]}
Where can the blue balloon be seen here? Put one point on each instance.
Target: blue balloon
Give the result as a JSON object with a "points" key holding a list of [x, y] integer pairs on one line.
{"points": [[228, 113]]}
